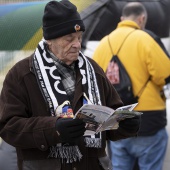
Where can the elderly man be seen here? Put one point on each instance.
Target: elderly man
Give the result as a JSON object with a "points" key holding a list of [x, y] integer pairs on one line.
{"points": [[58, 79]]}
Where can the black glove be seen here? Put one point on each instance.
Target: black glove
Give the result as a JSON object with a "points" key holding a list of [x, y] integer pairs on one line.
{"points": [[131, 125], [70, 130]]}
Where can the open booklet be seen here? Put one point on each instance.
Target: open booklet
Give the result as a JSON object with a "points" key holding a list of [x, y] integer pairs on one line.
{"points": [[100, 118]]}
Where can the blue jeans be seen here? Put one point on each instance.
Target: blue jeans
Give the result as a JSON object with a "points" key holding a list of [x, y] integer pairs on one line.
{"points": [[149, 150]]}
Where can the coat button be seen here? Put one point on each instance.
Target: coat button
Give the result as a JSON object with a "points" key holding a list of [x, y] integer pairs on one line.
{"points": [[42, 146]]}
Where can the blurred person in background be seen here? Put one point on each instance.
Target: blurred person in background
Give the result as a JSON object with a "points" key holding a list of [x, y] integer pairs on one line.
{"points": [[148, 67]]}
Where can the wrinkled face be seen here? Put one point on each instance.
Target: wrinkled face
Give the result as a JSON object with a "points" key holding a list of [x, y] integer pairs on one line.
{"points": [[67, 47]]}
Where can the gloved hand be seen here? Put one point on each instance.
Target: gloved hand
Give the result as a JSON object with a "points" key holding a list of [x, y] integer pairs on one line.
{"points": [[70, 129], [131, 125]]}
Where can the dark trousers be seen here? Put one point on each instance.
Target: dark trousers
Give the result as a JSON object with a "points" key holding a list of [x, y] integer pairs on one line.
{"points": [[8, 157]]}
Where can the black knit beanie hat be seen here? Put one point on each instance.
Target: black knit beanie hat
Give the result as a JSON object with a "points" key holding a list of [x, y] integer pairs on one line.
{"points": [[61, 18]]}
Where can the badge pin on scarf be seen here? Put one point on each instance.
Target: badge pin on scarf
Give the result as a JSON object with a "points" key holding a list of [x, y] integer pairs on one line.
{"points": [[64, 110]]}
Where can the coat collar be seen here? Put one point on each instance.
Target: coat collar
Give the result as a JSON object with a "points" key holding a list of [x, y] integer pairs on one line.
{"points": [[128, 23]]}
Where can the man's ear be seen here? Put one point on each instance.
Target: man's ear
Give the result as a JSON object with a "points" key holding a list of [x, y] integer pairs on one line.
{"points": [[142, 21], [144, 18], [48, 42], [121, 18]]}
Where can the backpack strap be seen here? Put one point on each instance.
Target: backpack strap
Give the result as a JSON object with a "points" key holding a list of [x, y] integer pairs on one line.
{"points": [[121, 44], [142, 89]]}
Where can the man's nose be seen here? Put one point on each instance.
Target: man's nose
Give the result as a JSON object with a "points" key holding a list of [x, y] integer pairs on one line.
{"points": [[77, 43]]}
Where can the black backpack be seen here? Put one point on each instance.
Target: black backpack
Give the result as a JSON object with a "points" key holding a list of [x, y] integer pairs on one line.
{"points": [[120, 79]]}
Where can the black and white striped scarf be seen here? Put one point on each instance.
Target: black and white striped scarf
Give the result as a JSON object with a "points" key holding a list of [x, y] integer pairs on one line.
{"points": [[57, 99]]}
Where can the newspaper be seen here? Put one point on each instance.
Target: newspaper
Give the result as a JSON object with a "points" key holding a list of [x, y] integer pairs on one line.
{"points": [[100, 118]]}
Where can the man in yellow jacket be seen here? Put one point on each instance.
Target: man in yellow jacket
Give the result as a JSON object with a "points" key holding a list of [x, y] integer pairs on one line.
{"points": [[143, 58]]}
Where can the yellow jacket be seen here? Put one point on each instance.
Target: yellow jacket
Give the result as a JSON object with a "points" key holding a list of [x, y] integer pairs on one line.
{"points": [[142, 57]]}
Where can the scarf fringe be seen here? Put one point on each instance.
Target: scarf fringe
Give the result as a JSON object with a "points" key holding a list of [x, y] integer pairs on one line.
{"points": [[69, 153], [93, 142]]}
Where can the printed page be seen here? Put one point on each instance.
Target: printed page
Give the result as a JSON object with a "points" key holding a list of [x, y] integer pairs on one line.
{"points": [[99, 118], [127, 107], [119, 114], [93, 116], [113, 121]]}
